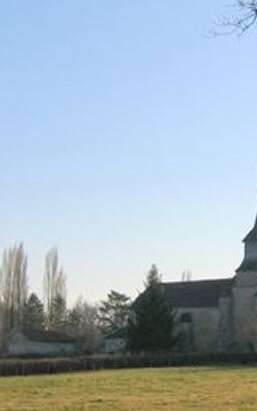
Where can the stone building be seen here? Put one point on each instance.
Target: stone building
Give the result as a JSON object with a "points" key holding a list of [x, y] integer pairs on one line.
{"points": [[219, 315]]}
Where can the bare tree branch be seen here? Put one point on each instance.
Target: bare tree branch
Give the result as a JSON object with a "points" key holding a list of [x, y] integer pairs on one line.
{"points": [[243, 18]]}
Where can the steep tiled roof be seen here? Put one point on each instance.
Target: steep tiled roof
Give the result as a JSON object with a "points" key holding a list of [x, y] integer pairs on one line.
{"points": [[48, 336], [197, 294], [194, 294]]}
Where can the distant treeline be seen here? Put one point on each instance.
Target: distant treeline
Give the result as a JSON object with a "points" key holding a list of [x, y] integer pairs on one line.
{"points": [[147, 324], [22, 309]]}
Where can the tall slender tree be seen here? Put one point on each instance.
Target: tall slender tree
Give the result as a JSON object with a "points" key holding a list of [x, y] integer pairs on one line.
{"points": [[54, 287], [13, 285]]}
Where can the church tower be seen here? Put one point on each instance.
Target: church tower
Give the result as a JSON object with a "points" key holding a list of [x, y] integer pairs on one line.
{"points": [[247, 271], [245, 296]]}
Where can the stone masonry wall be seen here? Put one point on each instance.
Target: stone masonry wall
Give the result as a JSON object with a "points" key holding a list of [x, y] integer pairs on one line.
{"points": [[245, 312], [226, 324], [205, 324]]}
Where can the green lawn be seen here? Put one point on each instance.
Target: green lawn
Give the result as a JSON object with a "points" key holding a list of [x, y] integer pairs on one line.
{"points": [[138, 390]]}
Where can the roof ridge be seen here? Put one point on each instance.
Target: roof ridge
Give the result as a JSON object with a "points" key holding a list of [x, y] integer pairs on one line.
{"points": [[215, 280]]}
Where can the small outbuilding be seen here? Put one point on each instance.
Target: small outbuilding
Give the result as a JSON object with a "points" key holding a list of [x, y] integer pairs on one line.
{"points": [[21, 342], [115, 342]]}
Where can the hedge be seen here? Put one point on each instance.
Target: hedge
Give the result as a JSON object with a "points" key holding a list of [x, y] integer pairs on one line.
{"points": [[9, 367]]}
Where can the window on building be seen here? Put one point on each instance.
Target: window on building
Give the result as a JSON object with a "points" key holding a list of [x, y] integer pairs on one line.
{"points": [[186, 318]]}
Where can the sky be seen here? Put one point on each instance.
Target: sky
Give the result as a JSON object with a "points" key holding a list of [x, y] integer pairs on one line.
{"points": [[128, 137]]}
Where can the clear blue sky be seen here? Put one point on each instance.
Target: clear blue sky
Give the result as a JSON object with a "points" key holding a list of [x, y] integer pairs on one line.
{"points": [[127, 137]]}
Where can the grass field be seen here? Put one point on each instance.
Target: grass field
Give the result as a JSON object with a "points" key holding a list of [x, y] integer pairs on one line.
{"points": [[138, 390]]}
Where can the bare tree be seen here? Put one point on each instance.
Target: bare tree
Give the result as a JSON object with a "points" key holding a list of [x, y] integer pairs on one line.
{"points": [[243, 17], [13, 285], [1, 326], [83, 324], [54, 283], [186, 276]]}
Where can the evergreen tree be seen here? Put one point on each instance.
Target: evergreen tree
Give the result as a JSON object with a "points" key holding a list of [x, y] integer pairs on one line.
{"points": [[153, 277], [33, 317], [58, 314], [151, 324], [113, 313], [74, 319]]}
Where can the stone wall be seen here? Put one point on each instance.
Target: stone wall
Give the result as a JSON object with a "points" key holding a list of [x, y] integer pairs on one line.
{"points": [[205, 325], [245, 312], [226, 324]]}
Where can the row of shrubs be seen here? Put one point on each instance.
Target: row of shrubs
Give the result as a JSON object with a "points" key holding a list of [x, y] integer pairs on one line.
{"points": [[10, 367]]}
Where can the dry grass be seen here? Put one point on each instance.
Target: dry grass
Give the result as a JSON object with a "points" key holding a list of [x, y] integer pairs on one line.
{"points": [[175, 389]]}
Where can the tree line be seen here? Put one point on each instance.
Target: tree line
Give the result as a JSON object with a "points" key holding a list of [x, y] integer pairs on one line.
{"points": [[147, 323], [21, 309]]}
